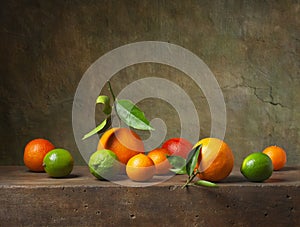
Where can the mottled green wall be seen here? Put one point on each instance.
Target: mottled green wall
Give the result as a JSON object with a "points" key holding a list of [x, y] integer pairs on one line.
{"points": [[252, 47]]}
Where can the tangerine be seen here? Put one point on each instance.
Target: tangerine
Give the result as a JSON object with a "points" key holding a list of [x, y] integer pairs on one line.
{"points": [[159, 157], [140, 168], [277, 155], [216, 159], [178, 146], [35, 152], [124, 142]]}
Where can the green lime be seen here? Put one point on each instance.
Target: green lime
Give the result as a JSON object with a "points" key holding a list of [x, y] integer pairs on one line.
{"points": [[257, 167], [58, 163], [104, 164]]}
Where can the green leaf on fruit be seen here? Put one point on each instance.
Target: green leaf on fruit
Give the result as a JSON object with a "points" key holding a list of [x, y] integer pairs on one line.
{"points": [[177, 163], [95, 130], [103, 99], [132, 115], [192, 160]]}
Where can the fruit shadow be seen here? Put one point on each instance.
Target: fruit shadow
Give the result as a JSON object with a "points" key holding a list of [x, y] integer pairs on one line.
{"points": [[234, 179], [70, 176], [125, 180], [287, 168], [120, 177], [44, 173], [242, 179], [39, 172], [275, 180]]}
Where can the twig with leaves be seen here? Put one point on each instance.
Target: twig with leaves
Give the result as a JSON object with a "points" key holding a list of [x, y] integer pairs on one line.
{"points": [[129, 113]]}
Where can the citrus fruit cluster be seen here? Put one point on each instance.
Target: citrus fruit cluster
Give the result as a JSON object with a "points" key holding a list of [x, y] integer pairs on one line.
{"points": [[259, 166], [121, 150], [41, 155]]}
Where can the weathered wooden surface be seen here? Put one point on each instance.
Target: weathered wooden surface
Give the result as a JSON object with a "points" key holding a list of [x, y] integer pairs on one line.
{"points": [[34, 199]]}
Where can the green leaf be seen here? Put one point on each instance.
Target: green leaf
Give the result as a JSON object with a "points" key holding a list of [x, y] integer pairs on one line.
{"points": [[95, 130], [192, 160], [178, 164], [132, 115], [205, 183], [103, 99], [179, 171]]}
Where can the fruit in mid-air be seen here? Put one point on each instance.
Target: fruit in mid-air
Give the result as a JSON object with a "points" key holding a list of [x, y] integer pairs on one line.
{"points": [[35, 152], [178, 146], [159, 157], [124, 142], [277, 155], [257, 167], [58, 163], [104, 164], [140, 168], [216, 159]]}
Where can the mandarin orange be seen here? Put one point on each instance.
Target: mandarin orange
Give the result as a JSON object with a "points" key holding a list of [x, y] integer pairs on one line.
{"points": [[277, 155], [140, 168], [159, 157], [35, 152]]}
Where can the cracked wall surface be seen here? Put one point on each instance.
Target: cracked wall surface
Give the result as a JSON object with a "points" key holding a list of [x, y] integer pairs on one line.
{"points": [[252, 47]]}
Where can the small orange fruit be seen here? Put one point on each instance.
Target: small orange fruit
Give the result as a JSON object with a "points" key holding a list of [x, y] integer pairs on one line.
{"points": [[178, 146], [159, 157], [277, 155], [215, 160], [35, 152], [124, 142], [140, 168]]}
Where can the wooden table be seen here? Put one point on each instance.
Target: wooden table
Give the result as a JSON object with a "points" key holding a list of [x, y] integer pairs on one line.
{"points": [[34, 199]]}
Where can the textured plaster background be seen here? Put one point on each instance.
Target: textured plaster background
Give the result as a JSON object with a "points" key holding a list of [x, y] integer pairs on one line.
{"points": [[252, 47]]}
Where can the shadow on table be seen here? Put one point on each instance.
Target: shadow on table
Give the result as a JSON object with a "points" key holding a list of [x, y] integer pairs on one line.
{"points": [[241, 179], [234, 179], [275, 180], [70, 176], [288, 168]]}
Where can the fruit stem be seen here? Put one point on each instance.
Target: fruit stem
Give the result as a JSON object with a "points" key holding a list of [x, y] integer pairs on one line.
{"points": [[114, 98], [111, 91], [190, 179]]}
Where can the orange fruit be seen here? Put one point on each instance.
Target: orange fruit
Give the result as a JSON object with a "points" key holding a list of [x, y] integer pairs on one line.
{"points": [[178, 146], [35, 152], [215, 160], [159, 157], [124, 142], [277, 155], [140, 168]]}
